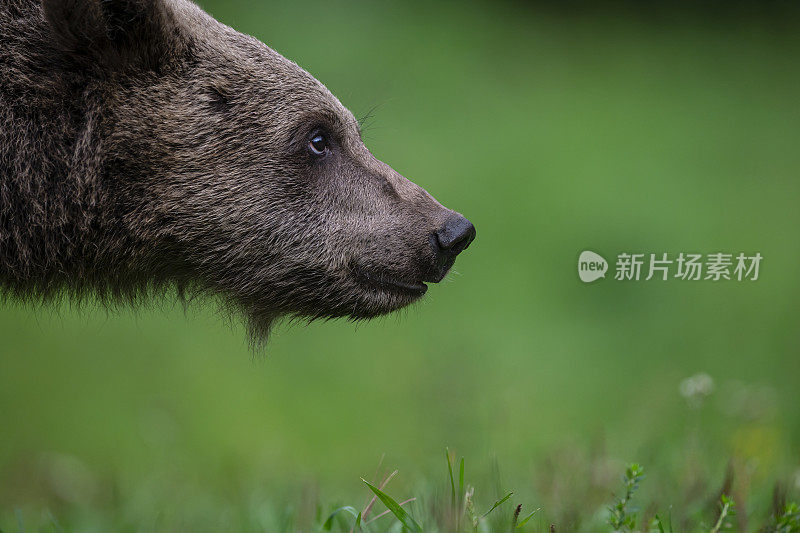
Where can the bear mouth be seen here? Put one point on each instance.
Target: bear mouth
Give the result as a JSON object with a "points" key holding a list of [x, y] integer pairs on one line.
{"points": [[387, 282]]}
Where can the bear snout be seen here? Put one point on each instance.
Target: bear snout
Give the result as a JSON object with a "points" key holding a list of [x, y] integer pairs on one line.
{"points": [[446, 242], [453, 237]]}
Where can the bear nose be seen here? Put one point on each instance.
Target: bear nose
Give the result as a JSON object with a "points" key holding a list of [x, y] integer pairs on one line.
{"points": [[454, 236]]}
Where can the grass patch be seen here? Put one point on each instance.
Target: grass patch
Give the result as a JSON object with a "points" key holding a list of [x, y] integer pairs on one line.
{"points": [[447, 506]]}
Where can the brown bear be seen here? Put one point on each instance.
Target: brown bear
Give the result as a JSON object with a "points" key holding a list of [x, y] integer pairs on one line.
{"points": [[144, 146]]}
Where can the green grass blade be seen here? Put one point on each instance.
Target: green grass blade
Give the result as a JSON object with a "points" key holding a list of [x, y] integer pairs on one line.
{"points": [[461, 479], [497, 504], [54, 522], [452, 481], [525, 520], [20, 521], [406, 519], [345, 509]]}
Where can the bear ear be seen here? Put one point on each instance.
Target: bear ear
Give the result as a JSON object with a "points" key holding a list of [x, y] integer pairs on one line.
{"points": [[116, 34]]}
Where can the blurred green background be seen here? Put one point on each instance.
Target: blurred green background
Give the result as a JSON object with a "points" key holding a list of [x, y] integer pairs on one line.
{"points": [[554, 130]]}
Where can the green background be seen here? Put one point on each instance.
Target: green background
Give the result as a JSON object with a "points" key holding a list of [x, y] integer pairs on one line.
{"points": [[554, 131]]}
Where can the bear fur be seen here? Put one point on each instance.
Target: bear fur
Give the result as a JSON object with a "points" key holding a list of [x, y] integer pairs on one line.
{"points": [[144, 146]]}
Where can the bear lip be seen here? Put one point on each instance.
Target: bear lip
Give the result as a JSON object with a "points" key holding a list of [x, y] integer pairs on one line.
{"points": [[383, 281]]}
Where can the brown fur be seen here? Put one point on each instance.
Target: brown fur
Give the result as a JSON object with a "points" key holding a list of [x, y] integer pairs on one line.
{"points": [[145, 145]]}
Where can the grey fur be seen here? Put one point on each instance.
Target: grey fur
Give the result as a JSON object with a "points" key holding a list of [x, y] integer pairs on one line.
{"points": [[144, 145]]}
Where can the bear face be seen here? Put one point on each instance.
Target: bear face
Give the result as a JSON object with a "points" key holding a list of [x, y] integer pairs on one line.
{"points": [[236, 172]]}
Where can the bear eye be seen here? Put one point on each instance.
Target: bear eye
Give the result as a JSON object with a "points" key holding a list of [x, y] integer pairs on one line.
{"points": [[318, 144]]}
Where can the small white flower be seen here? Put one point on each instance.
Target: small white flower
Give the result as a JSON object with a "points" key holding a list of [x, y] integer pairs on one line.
{"points": [[697, 388]]}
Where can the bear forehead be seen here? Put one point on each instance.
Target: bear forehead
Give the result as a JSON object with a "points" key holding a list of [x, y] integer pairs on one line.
{"points": [[246, 65]]}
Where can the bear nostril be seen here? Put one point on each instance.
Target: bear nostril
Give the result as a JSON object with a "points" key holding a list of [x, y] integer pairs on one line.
{"points": [[454, 236]]}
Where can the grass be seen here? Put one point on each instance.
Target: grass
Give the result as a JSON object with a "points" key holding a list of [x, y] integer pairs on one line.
{"points": [[461, 516], [573, 489], [440, 508]]}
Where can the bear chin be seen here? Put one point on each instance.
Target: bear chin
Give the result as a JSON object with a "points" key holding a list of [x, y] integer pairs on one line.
{"points": [[368, 299]]}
